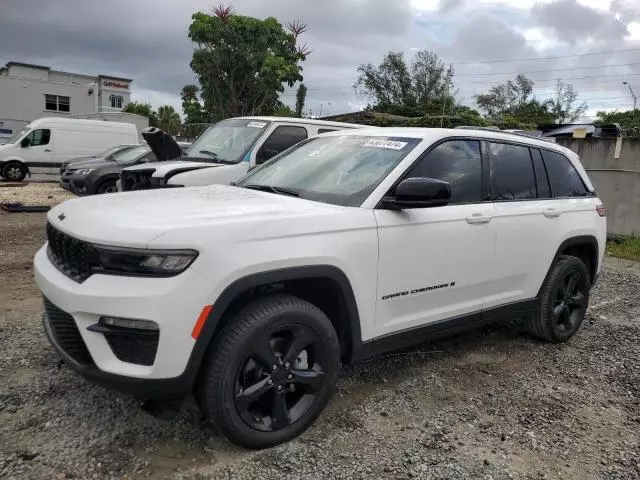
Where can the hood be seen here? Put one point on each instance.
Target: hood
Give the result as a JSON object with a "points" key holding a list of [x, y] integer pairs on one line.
{"points": [[160, 169], [162, 144], [110, 219], [6, 146], [90, 162]]}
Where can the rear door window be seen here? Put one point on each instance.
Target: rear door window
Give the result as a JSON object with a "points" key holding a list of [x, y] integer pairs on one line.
{"points": [[511, 172], [563, 177], [283, 137]]}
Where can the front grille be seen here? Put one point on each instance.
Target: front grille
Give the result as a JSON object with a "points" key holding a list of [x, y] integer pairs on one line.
{"points": [[71, 256], [139, 348], [66, 333], [137, 180]]}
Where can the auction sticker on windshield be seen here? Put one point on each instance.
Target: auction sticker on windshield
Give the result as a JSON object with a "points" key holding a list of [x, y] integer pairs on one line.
{"points": [[391, 144], [256, 124]]}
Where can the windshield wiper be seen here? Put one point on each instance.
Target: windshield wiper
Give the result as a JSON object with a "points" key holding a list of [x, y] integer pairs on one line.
{"points": [[209, 152], [272, 189]]}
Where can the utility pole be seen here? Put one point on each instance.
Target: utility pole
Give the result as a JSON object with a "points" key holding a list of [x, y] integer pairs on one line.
{"points": [[446, 93], [635, 99]]}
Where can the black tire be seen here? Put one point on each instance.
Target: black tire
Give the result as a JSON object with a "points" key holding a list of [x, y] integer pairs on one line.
{"points": [[14, 171], [563, 301], [108, 186], [270, 330]]}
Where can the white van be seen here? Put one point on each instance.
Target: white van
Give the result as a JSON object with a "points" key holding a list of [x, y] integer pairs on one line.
{"points": [[45, 144], [223, 153]]}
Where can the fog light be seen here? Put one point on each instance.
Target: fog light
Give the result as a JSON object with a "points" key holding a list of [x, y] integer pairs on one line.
{"points": [[129, 323]]}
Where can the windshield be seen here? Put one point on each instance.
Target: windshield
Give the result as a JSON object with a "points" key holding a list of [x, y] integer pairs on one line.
{"points": [[227, 141], [342, 170], [110, 151], [130, 156], [14, 138]]}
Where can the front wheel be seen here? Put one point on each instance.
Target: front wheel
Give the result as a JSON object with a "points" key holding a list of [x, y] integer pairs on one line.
{"points": [[270, 372], [563, 301], [14, 171], [108, 186]]}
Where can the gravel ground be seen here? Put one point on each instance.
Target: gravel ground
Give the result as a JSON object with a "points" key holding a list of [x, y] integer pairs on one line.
{"points": [[489, 404], [47, 194]]}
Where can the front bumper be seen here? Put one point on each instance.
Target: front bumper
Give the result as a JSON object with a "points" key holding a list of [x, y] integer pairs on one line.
{"points": [[173, 371]]}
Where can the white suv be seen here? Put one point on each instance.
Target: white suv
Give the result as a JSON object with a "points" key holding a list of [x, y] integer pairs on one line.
{"points": [[347, 245]]}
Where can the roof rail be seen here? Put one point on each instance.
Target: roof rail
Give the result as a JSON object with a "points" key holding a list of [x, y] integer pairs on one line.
{"points": [[510, 132]]}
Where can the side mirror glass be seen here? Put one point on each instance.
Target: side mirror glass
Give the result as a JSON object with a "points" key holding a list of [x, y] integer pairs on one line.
{"points": [[419, 192], [24, 143]]}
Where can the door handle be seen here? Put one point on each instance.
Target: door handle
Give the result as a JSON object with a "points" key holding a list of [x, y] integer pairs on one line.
{"points": [[478, 218], [47, 149], [551, 213]]}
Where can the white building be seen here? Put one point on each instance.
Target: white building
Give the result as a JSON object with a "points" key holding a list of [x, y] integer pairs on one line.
{"points": [[29, 92]]}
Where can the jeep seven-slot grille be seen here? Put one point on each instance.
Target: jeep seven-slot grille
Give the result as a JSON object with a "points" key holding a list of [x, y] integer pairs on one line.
{"points": [[66, 333], [137, 180], [71, 256]]}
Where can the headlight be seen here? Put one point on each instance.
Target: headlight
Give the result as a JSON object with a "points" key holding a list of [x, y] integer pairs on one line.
{"points": [[84, 171], [157, 263]]}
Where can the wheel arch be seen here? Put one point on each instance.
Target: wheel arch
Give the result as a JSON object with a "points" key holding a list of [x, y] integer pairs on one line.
{"points": [[584, 247], [317, 284]]}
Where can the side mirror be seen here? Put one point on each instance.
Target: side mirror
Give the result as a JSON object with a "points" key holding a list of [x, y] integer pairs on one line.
{"points": [[24, 143], [419, 192]]}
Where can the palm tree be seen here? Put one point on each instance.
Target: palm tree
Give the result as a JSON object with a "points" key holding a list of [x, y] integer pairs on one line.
{"points": [[169, 120]]}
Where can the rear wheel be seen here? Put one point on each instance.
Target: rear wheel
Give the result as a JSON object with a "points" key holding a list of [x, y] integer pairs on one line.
{"points": [[14, 171], [270, 372], [563, 301], [108, 186]]}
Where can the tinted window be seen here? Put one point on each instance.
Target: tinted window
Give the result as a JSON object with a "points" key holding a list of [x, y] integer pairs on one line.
{"points": [[326, 130], [511, 172], [542, 181], [563, 177], [457, 162], [39, 137], [282, 138]]}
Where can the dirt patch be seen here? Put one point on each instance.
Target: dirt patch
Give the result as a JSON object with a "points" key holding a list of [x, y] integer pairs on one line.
{"points": [[42, 194], [486, 404]]}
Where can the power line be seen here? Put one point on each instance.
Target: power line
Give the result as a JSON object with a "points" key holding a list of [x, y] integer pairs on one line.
{"points": [[550, 70], [547, 58]]}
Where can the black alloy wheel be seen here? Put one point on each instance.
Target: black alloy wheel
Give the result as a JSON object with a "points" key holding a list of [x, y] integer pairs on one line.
{"points": [[570, 301], [281, 378], [270, 372]]}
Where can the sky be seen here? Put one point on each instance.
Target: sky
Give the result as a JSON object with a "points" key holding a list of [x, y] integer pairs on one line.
{"points": [[593, 44]]}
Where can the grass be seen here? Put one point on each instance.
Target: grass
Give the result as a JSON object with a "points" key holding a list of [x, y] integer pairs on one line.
{"points": [[626, 247]]}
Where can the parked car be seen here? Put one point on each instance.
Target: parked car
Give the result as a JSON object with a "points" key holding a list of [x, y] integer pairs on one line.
{"points": [[45, 144], [347, 245], [226, 151], [105, 154], [99, 175]]}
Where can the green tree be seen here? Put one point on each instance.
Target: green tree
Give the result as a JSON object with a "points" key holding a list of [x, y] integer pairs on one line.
{"points": [[143, 109], [169, 120], [629, 121], [194, 115], [422, 88], [506, 98], [283, 110], [563, 104], [242, 62], [301, 96]]}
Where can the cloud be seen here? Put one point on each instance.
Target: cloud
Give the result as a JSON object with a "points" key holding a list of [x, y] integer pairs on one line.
{"points": [[572, 22], [147, 41]]}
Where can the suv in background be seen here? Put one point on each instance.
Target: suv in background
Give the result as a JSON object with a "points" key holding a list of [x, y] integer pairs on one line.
{"points": [[349, 244], [107, 155], [226, 151]]}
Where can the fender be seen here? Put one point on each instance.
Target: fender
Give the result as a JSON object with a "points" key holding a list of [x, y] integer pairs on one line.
{"points": [[570, 242], [243, 284]]}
